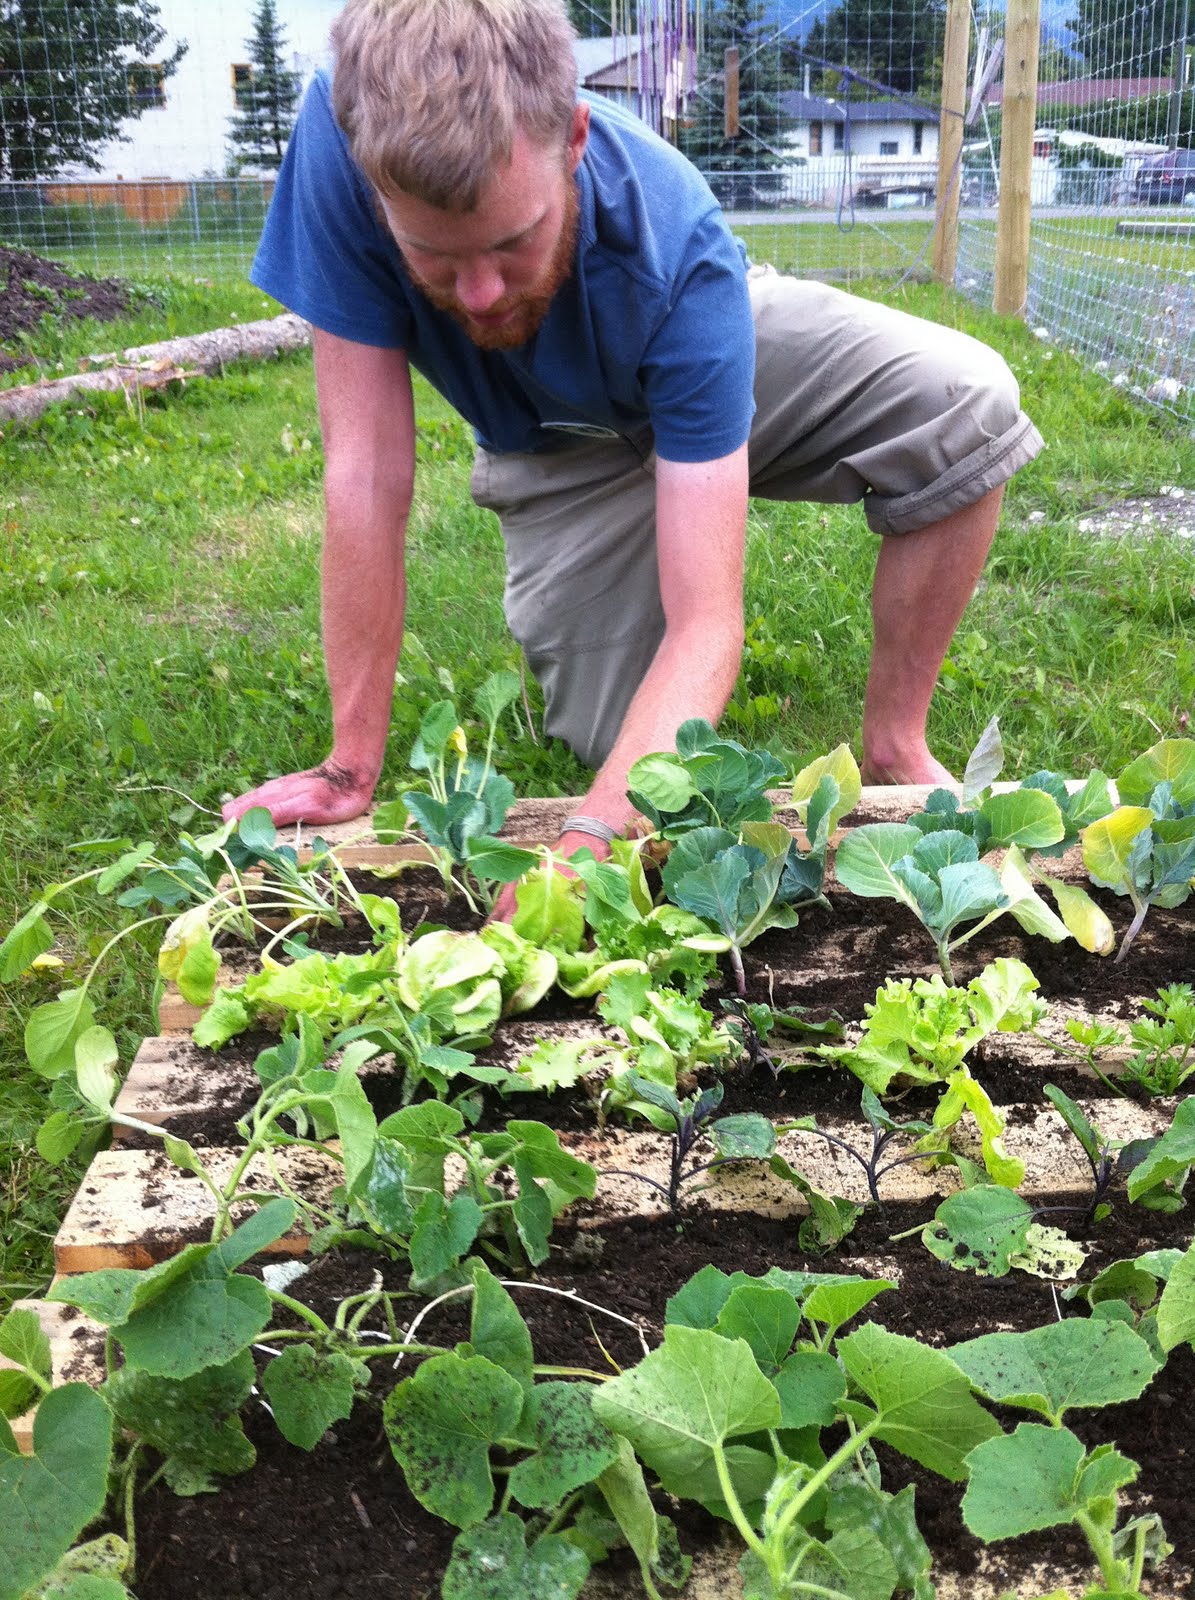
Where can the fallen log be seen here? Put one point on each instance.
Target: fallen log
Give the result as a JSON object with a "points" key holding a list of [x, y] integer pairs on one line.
{"points": [[153, 366]]}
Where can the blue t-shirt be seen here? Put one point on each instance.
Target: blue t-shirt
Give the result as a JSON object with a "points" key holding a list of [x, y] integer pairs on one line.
{"points": [[652, 328]]}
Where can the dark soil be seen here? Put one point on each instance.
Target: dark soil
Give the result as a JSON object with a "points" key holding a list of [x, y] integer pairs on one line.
{"points": [[338, 1524], [32, 288]]}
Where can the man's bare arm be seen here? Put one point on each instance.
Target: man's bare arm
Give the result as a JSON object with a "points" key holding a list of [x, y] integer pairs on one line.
{"points": [[701, 519], [367, 418]]}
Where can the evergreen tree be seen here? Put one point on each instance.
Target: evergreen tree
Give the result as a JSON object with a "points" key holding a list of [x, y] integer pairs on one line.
{"points": [[895, 43], [757, 148], [591, 18], [71, 72], [1137, 39], [266, 101]]}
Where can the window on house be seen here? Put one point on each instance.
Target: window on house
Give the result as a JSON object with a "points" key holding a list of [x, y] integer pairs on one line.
{"points": [[889, 147], [918, 130], [839, 136], [242, 84], [815, 138], [147, 84]]}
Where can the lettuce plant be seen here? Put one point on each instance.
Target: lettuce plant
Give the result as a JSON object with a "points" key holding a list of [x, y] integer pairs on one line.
{"points": [[921, 1031], [1146, 848]]}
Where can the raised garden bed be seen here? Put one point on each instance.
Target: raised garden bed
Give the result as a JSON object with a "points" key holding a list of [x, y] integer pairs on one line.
{"points": [[360, 1529]]}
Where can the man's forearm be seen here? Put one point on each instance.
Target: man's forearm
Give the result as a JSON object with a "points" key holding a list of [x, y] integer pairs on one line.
{"points": [[364, 593], [693, 675]]}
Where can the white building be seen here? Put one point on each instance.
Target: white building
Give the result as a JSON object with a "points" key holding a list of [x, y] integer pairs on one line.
{"points": [[184, 132]]}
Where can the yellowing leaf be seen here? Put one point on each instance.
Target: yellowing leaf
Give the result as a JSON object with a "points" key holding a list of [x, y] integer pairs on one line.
{"points": [[1107, 843], [843, 768], [1087, 923]]}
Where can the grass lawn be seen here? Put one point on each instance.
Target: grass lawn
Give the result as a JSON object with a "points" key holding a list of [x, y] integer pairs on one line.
{"points": [[160, 639]]}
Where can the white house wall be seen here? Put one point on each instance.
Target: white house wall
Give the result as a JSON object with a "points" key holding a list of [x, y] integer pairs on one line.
{"points": [[188, 136]]}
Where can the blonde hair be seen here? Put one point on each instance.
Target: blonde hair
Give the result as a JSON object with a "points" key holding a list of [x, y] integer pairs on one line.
{"points": [[431, 93]]}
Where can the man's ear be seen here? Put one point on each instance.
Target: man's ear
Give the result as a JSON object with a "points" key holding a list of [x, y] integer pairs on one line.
{"points": [[578, 135]]}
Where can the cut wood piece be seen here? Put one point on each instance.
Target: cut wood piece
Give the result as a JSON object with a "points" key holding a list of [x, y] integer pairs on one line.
{"points": [[172, 1077], [135, 1207], [76, 1354]]}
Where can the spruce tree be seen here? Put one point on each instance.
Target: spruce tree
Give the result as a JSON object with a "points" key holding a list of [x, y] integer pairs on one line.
{"points": [[70, 75], [262, 124], [741, 169]]}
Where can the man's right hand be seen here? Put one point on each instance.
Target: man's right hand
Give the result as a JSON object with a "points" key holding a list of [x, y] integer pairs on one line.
{"points": [[327, 793]]}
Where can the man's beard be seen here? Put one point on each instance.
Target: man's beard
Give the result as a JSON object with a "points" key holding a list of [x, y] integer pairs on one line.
{"points": [[529, 309]]}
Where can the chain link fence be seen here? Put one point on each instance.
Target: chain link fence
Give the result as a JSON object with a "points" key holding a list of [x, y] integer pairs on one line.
{"points": [[132, 142]]}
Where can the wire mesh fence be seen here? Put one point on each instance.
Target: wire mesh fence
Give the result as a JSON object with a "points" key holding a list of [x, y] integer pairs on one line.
{"points": [[138, 136]]}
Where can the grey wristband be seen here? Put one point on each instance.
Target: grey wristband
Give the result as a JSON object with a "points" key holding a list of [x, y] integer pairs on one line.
{"points": [[594, 826]]}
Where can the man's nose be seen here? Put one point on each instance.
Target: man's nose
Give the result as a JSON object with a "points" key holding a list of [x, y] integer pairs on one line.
{"points": [[479, 286]]}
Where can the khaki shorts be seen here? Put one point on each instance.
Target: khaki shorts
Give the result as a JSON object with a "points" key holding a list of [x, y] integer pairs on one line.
{"points": [[854, 402]]}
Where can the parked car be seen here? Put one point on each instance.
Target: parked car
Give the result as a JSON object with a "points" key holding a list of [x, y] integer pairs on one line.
{"points": [[1166, 180]]}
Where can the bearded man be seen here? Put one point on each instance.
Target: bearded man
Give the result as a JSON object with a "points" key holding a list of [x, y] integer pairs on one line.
{"points": [[566, 279]]}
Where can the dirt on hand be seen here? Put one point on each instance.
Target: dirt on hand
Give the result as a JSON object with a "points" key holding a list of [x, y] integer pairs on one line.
{"points": [[32, 288]]}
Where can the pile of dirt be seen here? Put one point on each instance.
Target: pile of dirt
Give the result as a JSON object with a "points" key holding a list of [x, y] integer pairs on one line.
{"points": [[32, 288]]}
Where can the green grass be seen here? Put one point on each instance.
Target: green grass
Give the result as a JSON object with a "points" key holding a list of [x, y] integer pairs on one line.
{"points": [[160, 638]]}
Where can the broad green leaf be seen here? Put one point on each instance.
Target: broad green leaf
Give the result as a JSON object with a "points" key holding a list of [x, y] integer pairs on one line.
{"points": [[256, 831], [1031, 1479], [493, 1562], [1051, 1369], [532, 1212], [48, 1498], [699, 1302], [497, 1331], [500, 689], [571, 1447], [664, 780], [980, 1228], [767, 1319], [90, 1571], [1176, 1309], [443, 1232], [498, 860], [1108, 843], [893, 1519], [53, 1029], [835, 1302], [1028, 818], [227, 1016], [542, 1154], [194, 1424], [1171, 1156], [650, 1536], [923, 1400], [24, 942], [1169, 761], [309, 1390], [747, 1136], [441, 1423], [22, 1340], [687, 1397], [865, 858], [810, 1385], [96, 1057], [969, 889], [1085, 921]]}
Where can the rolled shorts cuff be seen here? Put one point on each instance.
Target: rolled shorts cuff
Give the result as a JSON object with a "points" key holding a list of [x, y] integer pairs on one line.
{"points": [[959, 487]]}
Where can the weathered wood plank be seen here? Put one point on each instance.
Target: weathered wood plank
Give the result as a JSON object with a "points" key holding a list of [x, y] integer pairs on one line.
{"points": [[135, 1208]]}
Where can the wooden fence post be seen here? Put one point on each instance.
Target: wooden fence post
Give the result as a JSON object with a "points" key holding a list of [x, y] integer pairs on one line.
{"points": [[1019, 113], [730, 104], [950, 137]]}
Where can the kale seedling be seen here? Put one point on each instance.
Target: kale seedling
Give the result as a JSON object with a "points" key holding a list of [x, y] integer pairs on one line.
{"points": [[740, 1138], [884, 1130], [754, 1022]]}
